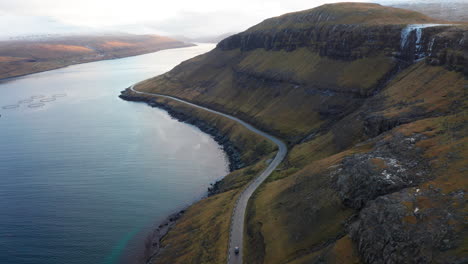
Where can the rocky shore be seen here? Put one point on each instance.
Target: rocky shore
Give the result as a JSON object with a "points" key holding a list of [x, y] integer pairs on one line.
{"points": [[153, 244], [231, 150]]}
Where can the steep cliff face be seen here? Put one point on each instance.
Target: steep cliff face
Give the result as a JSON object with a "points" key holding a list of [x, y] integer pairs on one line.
{"points": [[312, 61], [353, 31], [346, 32], [372, 102]]}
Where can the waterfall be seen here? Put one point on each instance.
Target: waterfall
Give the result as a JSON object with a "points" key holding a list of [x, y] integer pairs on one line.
{"points": [[418, 39], [404, 35], [431, 44], [418, 30]]}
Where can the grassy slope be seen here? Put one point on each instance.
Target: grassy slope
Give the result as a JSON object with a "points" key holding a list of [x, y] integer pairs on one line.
{"points": [[289, 110], [347, 13], [201, 235], [297, 216], [207, 222], [300, 213], [24, 57]]}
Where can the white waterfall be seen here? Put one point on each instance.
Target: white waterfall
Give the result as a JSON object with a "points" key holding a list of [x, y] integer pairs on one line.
{"points": [[418, 29], [431, 44]]}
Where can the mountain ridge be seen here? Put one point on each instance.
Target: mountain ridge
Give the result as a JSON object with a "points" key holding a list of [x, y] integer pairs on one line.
{"points": [[30, 55], [375, 119], [346, 13]]}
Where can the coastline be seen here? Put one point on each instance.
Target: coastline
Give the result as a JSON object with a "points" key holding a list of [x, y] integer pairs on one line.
{"points": [[6, 79], [153, 242], [232, 152]]}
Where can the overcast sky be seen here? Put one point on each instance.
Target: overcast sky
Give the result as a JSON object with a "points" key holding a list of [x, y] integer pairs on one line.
{"points": [[170, 17]]}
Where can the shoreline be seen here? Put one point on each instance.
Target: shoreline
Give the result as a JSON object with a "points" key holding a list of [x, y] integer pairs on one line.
{"points": [[6, 79], [232, 152], [153, 242]]}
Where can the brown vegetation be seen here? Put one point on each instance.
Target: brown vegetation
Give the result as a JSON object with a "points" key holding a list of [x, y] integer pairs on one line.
{"points": [[24, 57], [377, 140]]}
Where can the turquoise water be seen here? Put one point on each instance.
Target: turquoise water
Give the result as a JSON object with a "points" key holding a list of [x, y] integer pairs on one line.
{"points": [[83, 174]]}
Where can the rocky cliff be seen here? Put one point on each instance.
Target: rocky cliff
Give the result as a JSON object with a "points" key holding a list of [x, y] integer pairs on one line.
{"points": [[340, 34], [343, 35], [372, 103]]}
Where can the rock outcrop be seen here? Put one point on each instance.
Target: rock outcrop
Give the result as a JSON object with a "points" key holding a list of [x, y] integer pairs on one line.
{"points": [[393, 165], [411, 226], [324, 31]]}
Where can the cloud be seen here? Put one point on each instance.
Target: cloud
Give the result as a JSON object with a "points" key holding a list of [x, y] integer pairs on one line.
{"points": [[192, 24], [30, 25], [176, 17]]}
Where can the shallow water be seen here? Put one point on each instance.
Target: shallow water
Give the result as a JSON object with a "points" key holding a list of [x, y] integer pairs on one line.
{"points": [[82, 171]]}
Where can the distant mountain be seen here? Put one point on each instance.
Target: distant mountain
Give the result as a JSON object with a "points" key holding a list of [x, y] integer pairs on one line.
{"points": [[452, 10], [352, 13], [34, 53], [34, 27], [204, 39]]}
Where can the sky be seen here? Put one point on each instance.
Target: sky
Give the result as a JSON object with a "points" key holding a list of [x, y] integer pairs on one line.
{"points": [[168, 17]]}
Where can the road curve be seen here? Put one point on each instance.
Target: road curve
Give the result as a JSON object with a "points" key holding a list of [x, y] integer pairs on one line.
{"points": [[238, 216]]}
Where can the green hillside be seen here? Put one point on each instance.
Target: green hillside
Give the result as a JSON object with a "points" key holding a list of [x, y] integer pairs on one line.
{"points": [[375, 120], [345, 13]]}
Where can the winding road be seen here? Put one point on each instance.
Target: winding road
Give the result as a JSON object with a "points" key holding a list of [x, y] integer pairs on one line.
{"points": [[238, 216]]}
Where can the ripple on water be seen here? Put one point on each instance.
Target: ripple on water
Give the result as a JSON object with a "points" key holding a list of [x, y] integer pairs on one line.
{"points": [[37, 96], [10, 106], [26, 101], [59, 95], [48, 100], [36, 105]]}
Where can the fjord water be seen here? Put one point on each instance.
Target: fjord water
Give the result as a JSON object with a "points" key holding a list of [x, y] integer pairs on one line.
{"points": [[85, 172]]}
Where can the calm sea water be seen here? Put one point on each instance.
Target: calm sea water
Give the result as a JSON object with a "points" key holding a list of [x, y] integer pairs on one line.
{"points": [[86, 172]]}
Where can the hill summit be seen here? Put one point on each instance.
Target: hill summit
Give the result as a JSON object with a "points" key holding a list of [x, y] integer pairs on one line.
{"points": [[345, 13]]}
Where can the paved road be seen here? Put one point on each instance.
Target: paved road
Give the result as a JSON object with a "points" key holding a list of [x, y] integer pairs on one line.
{"points": [[237, 223]]}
